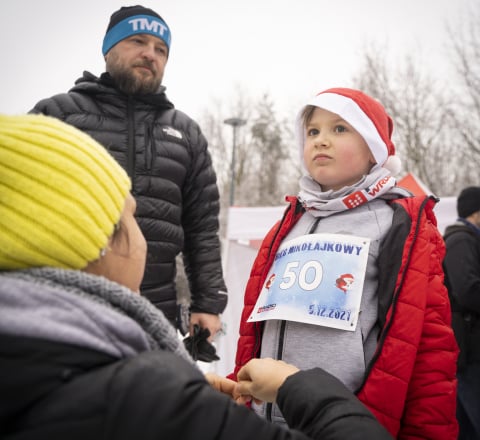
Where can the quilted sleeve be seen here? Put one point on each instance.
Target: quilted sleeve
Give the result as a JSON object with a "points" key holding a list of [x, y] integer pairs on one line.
{"points": [[431, 395]]}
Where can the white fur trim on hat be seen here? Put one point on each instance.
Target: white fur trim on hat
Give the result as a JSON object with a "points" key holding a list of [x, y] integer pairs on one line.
{"points": [[393, 164]]}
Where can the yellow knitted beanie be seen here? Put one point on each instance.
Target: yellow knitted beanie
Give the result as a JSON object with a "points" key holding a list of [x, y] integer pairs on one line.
{"points": [[61, 194]]}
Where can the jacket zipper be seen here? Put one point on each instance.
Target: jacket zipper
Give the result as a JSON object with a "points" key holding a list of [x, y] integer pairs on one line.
{"points": [[131, 142], [256, 347], [150, 152], [283, 325]]}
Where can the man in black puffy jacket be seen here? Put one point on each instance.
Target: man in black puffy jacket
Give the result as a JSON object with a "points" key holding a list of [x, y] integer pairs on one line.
{"points": [[165, 155]]}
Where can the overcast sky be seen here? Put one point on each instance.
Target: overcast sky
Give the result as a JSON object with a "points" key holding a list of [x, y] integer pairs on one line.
{"points": [[289, 48]]}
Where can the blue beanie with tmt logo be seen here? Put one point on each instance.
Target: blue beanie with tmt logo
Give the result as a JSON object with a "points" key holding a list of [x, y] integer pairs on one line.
{"points": [[131, 20]]}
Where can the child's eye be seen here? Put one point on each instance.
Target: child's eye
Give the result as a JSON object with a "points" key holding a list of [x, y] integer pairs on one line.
{"points": [[340, 129], [312, 132]]}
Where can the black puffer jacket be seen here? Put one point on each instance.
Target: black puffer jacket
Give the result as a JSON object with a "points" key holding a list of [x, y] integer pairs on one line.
{"points": [[166, 156], [58, 391], [84, 358], [462, 277]]}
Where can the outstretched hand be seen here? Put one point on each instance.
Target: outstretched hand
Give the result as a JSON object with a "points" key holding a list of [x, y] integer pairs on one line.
{"points": [[222, 384], [260, 379]]}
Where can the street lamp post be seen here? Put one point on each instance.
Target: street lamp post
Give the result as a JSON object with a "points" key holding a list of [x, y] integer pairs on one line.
{"points": [[235, 123]]}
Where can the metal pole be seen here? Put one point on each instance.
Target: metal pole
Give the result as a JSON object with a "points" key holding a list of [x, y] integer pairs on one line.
{"points": [[232, 167], [234, 122]]}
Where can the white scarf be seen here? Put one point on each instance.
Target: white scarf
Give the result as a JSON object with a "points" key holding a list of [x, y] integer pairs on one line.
{"points": [[379, 183]]}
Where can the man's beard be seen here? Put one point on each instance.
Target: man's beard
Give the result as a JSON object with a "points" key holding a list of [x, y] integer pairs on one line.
{"points": [[131, 84]]}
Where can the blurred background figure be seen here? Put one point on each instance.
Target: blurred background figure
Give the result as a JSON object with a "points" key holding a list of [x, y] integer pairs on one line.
{"points": [[462, 270]]}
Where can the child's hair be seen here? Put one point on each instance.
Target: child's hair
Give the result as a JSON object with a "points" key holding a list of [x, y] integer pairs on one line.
{"points": [[307, 114]]}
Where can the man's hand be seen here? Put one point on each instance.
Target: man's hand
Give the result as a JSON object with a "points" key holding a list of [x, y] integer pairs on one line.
{"points": [[206, 320], [260, 379]]}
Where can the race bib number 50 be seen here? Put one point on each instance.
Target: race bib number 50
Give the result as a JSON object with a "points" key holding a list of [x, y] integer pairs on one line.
{"points": [[316, 279]]}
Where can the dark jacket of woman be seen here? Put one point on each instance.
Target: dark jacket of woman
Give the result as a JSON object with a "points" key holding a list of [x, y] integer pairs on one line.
{"points": [[84, 358]]}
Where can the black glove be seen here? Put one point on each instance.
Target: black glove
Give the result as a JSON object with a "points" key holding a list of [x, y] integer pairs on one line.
{"points": [[199, 347]]}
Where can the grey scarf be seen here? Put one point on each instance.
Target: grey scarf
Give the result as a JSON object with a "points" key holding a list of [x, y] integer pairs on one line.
{"points": [[379, 183], [76, 307]]}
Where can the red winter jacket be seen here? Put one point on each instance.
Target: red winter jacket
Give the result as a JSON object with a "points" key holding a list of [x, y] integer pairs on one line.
{"points": [[410, 383]]}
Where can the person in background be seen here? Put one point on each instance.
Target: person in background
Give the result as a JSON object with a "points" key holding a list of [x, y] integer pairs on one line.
{"points": [[82, 354], [357, 287], [462, 270], [166, 157]]}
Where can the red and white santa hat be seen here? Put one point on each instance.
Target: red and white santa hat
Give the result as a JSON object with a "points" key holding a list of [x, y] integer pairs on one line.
{"points": [[363, 113]]}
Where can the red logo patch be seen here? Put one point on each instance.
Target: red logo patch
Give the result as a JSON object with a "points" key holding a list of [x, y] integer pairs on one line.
{"points": [[354, 200]]}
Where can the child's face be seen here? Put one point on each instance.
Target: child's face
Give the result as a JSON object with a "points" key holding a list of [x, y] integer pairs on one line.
{"points": [[334, 153]]}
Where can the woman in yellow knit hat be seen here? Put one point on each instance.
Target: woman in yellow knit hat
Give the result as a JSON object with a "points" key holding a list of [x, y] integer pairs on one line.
{"points": [[62, 199], [84, 357]]}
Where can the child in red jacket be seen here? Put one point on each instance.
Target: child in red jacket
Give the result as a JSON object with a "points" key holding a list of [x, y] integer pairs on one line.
{"points": [[350, 280]]}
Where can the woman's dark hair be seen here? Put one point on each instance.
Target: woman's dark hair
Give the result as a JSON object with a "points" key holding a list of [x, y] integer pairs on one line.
{"points": [[120, 231]]}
